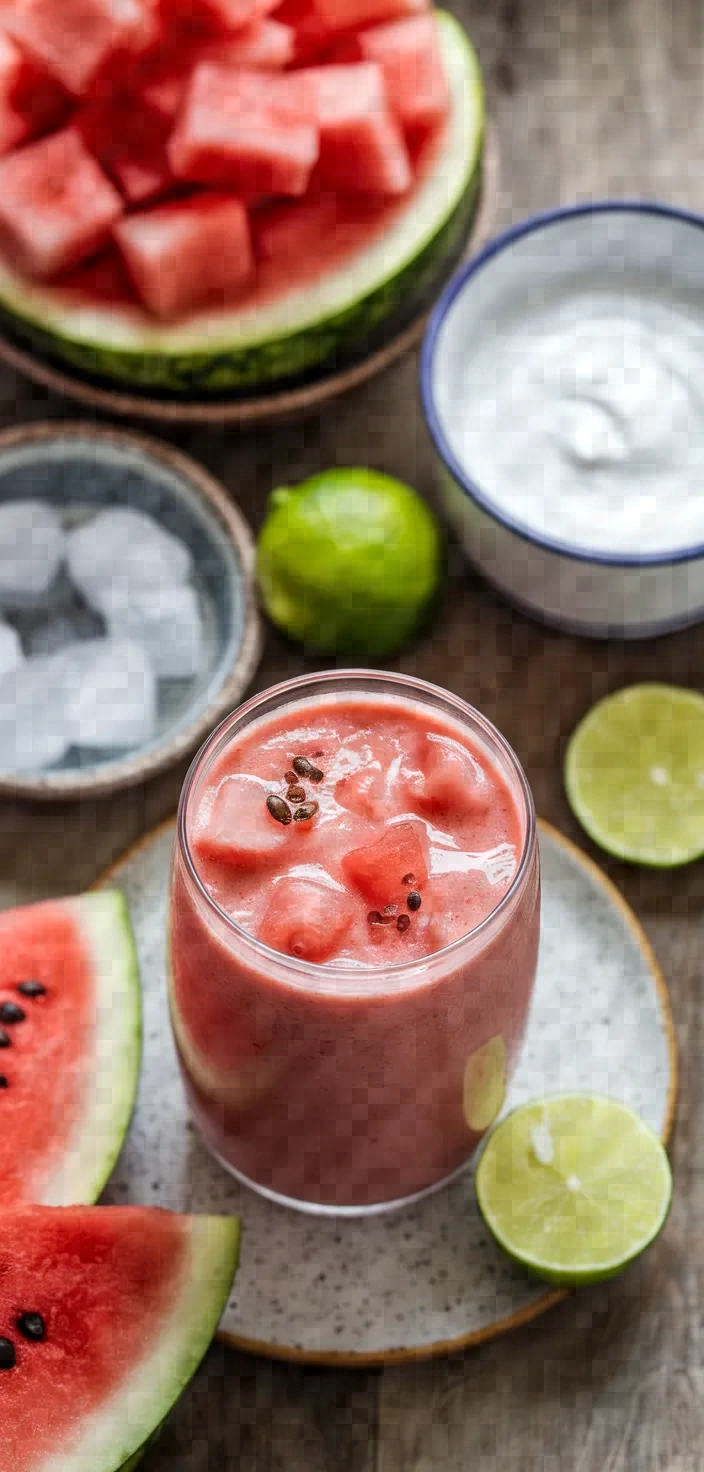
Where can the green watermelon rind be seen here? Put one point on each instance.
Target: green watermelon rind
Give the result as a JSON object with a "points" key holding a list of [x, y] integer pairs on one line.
{"points": [[119, 1433], [91, 1152], [313, 328]]}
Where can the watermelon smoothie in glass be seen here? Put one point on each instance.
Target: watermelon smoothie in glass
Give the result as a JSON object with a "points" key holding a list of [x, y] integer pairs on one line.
{"points": [[354, 923]]}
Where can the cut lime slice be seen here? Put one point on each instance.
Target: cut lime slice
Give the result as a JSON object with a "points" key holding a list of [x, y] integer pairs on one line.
{"points": [[574, 1188], [634, 775]]}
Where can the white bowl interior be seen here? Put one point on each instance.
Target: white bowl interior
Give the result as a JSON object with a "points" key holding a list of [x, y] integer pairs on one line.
{"points": [[610, 249]]}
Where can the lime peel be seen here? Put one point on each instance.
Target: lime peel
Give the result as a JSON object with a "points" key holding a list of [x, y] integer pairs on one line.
{"points": [[349, 562], [574, 1187]]}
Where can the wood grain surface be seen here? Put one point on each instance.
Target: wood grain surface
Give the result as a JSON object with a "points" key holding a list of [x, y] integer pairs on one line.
{"points": [[591, 97]]}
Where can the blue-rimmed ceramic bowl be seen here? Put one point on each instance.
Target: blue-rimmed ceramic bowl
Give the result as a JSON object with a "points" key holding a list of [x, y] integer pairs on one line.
{"points": [[624, 246]]}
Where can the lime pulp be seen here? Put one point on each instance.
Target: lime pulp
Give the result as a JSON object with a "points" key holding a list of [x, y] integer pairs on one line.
{"points": [[574, 1188], [634, 775]]}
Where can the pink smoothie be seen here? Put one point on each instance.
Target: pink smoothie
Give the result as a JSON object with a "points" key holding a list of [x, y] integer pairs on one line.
{"points": [[350, 987]]}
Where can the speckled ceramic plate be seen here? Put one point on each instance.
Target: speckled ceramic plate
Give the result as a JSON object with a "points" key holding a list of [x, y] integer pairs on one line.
{"points": [[427, 1280]]}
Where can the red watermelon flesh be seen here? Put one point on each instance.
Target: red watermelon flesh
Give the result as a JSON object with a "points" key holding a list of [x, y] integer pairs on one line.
{"points": [[408, 53], [56, 205], [128, 137], [349, 15], [40, 943], [247, 131], [183, 254], [70, 1060], [30, 102], [312, 37], [73, 40], [13, 126], [115, 1288], [181, 19], [265, 44], [379, 869], [361, 144]]}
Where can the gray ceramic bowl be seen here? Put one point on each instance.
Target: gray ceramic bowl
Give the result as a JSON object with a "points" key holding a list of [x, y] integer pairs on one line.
{"points": [[77, 466]]}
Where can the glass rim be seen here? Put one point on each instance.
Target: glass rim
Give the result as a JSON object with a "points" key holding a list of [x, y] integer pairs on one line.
{"points": [[340, 977]]}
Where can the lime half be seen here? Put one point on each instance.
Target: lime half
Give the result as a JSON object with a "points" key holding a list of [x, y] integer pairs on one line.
{"points": [[574, 1188], [349, 562], [634, 775]]}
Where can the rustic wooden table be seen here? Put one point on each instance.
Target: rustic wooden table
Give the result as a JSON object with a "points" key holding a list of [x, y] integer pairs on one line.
{"points": [[591, 97]]}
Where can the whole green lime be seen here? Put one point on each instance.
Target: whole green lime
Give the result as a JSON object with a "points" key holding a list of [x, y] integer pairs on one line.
{"points": [[349, 562]]}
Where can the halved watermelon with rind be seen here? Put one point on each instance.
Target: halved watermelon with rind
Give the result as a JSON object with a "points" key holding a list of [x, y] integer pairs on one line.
{"points": [[131, 1298], [324, 320], [73, 1065]]}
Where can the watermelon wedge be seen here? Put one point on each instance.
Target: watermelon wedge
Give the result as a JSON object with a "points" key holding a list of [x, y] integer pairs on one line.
{"points": [[70, 1044], [387, 241], [105, 1315]]}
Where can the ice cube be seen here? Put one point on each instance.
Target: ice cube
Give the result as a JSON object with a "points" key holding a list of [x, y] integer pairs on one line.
{"points": [[167, 621], [111, 699], [123, 547], [10, 650], [32, 545], [238, 829], [33, 732], [306, 920]]}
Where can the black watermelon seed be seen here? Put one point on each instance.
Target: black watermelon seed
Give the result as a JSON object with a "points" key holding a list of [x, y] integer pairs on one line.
{"points": [[375, 917], [291, 778], [403, 923], [414, 900], [8, 1358], [278, 809], [304, 768], [409, 879], [5, 1039], [10, 1012], [31, 989], [3, 1082], [304, 814], [32, 1327], [296, 793]]}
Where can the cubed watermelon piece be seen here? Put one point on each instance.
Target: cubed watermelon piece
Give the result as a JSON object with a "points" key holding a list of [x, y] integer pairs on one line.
{"points": [[246, 130], [408, 52], [379, 869], [449, 780], [239, 830], [306, 920], [362, 148], [350, 15], [76, 38], [195, 18], [311, 37], [186, 253], [266, 43], [128, 138], [57, 207], [14, 128]]}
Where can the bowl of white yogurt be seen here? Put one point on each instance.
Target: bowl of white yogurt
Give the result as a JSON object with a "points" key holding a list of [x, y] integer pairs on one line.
{"points": [[562, 380]]}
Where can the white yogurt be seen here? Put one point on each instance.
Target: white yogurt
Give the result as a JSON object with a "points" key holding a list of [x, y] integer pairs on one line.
{"points": [[582, 418]]}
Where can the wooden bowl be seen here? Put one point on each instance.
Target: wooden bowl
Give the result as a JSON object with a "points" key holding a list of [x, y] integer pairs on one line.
{"points": [[76, 466], [275, 407]]}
